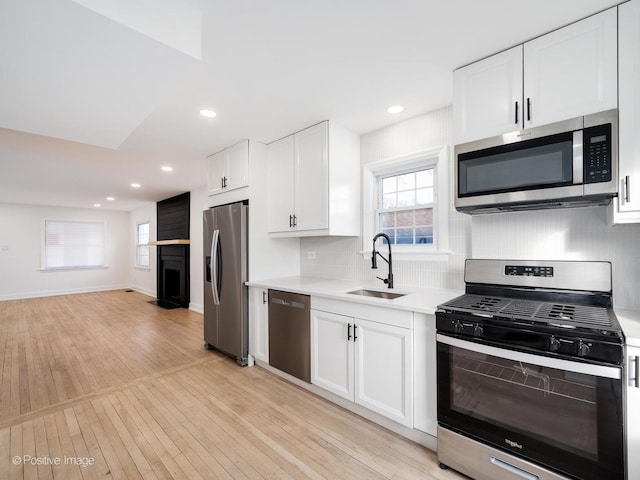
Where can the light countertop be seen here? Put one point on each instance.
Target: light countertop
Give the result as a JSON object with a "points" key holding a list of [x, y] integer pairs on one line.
{"points": [[423, 300], [630, 323]]}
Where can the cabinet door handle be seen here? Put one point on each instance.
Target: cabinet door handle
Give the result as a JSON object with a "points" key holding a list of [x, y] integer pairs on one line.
{"points": [[516, 120], [528, 109], [264, 297], [637, 379], [348, 331], [221, 182], [355, 332], [627, 195], [290, 221], [295, 220]]}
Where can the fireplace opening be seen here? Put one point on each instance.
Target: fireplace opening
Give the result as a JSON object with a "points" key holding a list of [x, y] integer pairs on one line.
{"points": [[172, 285], [173, 276]]}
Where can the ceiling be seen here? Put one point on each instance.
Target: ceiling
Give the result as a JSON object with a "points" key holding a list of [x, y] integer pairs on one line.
{"points": [[96, 95]]}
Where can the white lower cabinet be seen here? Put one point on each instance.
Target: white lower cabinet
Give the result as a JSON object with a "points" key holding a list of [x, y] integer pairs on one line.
{"points": [[633, 412], [259, 323], [332, 348], [365, 360], [425, 399]]}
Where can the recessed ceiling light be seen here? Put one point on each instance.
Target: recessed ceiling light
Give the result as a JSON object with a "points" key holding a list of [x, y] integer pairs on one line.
{"points": [[111, 199], [167, 169], [97, 205], [207, 113], [135, 185], [395, 109]]}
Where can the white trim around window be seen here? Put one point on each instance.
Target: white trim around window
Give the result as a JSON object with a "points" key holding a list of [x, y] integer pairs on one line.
{"points": [[436, 158]]}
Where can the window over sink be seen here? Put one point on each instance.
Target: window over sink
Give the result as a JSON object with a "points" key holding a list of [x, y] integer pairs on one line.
{"points": [[405, 206], [407, 198]]}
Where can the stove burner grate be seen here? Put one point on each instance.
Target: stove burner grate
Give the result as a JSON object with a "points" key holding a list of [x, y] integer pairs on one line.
{"points": [[550, 312]]}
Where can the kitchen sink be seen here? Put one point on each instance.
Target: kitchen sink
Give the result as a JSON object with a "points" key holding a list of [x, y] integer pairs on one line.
{"points": [[377, 294]]}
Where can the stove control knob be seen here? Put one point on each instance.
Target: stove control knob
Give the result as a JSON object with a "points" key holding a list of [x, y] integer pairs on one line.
{"points": [[554, 344], [583, 349], [458, 327], [478, 330]]}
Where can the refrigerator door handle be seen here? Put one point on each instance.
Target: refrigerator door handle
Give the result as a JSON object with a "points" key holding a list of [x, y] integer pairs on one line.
{"points": [[215, 247]]}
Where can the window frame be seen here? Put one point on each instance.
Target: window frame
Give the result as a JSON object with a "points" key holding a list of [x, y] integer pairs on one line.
{"points": [[43, 246], [436, 158], [138, 244]]}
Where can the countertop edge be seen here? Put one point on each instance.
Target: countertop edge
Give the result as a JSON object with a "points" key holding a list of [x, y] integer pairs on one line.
{"points": [[417, 299], [630, 322]]}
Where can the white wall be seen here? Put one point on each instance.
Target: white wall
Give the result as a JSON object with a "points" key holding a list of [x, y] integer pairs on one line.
{"points": [[199, 202], [20, 253], [340, 257], [143, 279]]}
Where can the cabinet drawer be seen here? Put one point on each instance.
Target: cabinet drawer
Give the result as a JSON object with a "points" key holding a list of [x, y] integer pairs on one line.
{"points": [[374, 313]]}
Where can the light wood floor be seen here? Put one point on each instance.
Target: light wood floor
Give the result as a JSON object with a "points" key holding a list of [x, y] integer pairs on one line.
{"points": [[110, 386]]}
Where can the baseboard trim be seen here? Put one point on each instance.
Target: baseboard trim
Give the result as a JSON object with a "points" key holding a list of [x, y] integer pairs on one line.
{"points": [[55, 293], [196, 307], [144, 291]]}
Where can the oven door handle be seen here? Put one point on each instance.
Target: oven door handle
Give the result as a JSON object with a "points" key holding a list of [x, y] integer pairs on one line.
{"points": [[557, 363]]}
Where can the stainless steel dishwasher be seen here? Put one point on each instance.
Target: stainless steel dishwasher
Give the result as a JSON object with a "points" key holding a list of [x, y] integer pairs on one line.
{"points": [[290, 333]]}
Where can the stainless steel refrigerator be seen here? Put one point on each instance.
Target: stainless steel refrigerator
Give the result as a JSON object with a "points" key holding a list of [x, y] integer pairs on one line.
{"points": [[226, 325]]}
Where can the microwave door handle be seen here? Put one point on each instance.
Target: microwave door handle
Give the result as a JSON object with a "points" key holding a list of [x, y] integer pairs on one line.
{"points": [[578, 158]]}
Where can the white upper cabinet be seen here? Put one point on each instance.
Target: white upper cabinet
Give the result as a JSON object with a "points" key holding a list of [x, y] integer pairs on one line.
{"points": [[312, 178], [313, 183], [280, 184], [228, 169], [488, 96], [564, 74], [627, 208], [572, 71]]}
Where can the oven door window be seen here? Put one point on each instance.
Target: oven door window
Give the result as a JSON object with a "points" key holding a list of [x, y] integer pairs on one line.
{"points": [[553, 416], [538, 163]]}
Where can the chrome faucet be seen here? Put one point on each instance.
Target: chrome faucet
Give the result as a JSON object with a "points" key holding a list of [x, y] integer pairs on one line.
{"points": [[374, 263]]}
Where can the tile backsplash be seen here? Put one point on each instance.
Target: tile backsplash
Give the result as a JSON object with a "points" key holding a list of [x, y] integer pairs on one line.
{"points": [[564, 234], [340, 258]]}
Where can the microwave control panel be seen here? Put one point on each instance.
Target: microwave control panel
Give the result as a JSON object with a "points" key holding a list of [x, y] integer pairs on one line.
{"points": [[597, 154]]}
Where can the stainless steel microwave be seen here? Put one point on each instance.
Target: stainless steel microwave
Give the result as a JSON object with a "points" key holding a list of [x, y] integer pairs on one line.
{"points": [[564, 164]]}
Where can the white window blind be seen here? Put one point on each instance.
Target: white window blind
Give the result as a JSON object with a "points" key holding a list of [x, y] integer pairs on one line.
{"points": [[73, 244], [142, 247]]}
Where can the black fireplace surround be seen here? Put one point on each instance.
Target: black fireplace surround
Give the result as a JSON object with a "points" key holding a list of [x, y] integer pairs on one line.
{"points": [[173, 260]]}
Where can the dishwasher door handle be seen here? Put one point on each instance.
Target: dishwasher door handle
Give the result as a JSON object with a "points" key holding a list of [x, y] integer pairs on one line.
{"points": [[287, 303]]}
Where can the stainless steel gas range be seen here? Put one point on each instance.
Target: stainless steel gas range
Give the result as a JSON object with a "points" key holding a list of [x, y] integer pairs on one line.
{"points": [[529, 365]]}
